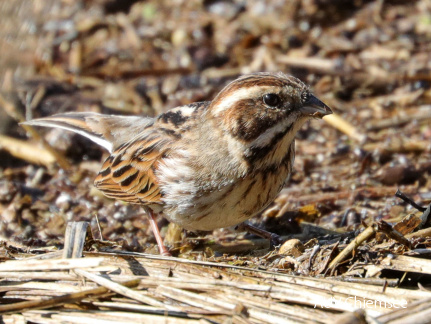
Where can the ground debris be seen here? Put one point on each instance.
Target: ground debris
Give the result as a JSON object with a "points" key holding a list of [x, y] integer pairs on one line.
{"points": [[368, 60]]}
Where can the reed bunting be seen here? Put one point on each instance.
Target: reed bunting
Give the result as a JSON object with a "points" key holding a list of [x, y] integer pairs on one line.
{"points": [[205, 165]]}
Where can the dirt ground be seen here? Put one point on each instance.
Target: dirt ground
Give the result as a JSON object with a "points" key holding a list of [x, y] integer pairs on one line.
{"points": [[368, 60], [355, 214]]}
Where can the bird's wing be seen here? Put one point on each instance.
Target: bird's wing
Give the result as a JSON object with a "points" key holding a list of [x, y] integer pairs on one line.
{"points": [[136, 149], [129, 173]]}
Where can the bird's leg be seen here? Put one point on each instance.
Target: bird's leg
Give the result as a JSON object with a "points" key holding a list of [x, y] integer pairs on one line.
{"points": [[152, 218], [272, 237]]}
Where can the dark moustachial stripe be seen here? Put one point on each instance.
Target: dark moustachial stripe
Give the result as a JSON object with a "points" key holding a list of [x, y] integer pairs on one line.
{"points": [[257, 153]]}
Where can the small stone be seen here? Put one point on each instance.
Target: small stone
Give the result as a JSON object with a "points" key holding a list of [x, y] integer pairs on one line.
{"points": [[292, 247]]}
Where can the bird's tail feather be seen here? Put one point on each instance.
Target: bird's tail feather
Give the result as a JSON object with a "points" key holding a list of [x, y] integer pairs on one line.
{"points": [[105, 130]]}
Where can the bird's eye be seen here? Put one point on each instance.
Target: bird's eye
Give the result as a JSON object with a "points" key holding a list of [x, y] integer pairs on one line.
{"points": [[271, 99]]}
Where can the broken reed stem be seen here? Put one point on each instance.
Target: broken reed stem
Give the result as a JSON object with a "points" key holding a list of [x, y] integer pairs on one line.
{"points": [[59, 158], [321, 65], [119, 289], [55, 301], [14, 113], [27, 151], [365, 235], [345, 127], [421, 233], [74, 239]]}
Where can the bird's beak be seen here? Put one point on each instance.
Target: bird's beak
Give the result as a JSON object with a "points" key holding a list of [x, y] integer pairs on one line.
{"points": [[313, 107]]}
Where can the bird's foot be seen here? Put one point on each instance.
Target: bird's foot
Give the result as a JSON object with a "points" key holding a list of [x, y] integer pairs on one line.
{"points": [[273, 238]]}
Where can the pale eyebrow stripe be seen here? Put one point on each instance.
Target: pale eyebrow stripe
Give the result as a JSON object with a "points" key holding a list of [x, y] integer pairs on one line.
{"points": [[241, 94]]}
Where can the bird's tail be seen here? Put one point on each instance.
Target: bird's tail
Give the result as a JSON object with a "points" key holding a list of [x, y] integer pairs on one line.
{"points": [[106, 130]]}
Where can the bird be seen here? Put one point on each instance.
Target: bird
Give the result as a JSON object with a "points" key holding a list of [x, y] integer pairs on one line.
{"points": [[205, 165]]}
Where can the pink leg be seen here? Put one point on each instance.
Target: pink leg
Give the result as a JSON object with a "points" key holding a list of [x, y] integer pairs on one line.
{"points": [[152, 218]]}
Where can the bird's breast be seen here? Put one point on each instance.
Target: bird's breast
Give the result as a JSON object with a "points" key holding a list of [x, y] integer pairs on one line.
{"points": [[220, 201]]}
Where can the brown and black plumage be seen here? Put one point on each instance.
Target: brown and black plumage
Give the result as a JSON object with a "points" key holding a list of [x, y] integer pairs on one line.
{"points": [[205, 165]]}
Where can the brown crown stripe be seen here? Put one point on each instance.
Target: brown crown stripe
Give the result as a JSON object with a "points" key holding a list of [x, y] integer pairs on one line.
{"points": [[252, 82], [265, 80]]}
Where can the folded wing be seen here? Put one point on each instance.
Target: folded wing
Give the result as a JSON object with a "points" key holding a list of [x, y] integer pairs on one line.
{"points": [[136, 149], [129, 173]]}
